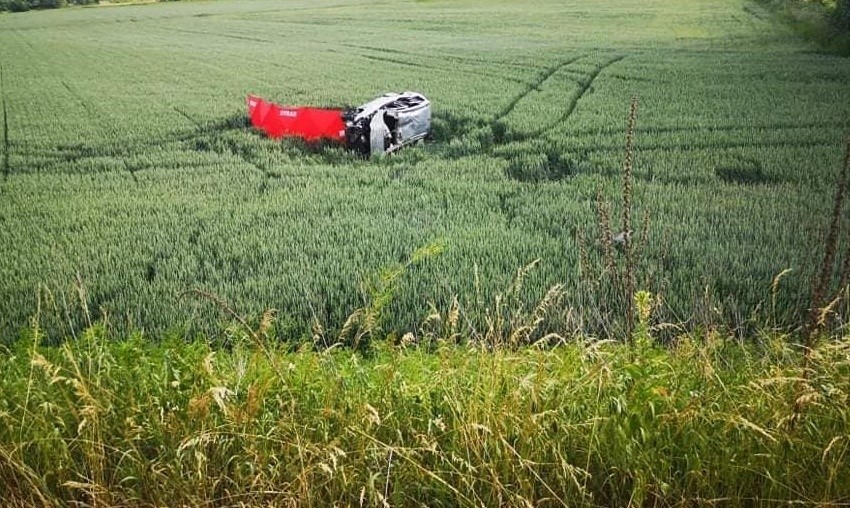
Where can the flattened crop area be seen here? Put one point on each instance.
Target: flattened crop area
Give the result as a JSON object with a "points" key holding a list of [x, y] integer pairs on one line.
{"points": [[130, 176]]}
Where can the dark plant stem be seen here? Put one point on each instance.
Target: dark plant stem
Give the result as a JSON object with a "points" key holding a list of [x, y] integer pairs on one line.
{"points": [[821, 285], [845, 263], [627, 220], [822, 281], [603, 212]]}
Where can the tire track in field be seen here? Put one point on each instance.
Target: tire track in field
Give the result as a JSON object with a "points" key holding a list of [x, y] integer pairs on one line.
{"points": [[532, 86], [84, 103], [584, 87], [127, 147], [228, 36], [99, 118], [230, 147], [25, 41], [755, 12], [394, 61], [185, 115], [235, 150], [638, 79], [451, 58], [398, 61]]}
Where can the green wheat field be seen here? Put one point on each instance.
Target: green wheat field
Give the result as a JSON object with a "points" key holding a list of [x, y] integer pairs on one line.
{"points": [[192, 314], [127, 165]]}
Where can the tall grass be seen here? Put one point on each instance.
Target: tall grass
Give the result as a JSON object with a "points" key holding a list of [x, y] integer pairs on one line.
{"points": [[100, 422]]}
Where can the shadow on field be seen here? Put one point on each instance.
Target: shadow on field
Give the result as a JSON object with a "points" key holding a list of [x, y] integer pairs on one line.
{"points": [[543, 167], [745, 171], [447, 126]]}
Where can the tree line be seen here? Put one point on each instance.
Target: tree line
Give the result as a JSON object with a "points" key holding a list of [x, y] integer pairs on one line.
{"points": [[26, 5], [831, 15]]}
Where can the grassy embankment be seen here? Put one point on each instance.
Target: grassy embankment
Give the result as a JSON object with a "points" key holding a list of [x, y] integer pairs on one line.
{"points": [[709, 421]]}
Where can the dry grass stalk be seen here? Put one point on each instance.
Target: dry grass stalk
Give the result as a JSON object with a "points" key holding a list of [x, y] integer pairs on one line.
{"points": [[222, 304], [774, 292]]}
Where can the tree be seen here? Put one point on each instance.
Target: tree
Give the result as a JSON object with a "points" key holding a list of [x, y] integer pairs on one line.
{"points": [[841, 15], [19, 5]]}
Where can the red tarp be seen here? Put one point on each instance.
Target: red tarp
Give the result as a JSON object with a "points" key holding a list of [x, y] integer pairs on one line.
{"points": [[310, 124]]}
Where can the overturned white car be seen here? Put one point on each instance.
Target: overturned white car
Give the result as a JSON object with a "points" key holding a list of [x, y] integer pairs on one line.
{"points": [[387, 123]]}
